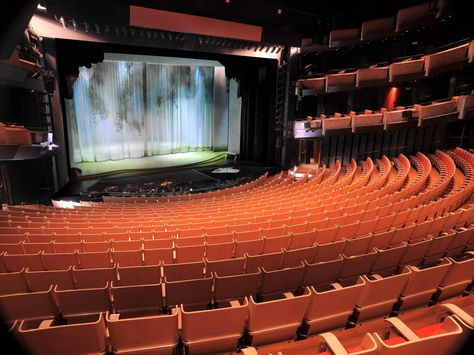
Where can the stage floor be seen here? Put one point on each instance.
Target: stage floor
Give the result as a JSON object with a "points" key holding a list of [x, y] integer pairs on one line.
{"points": [[156, 162]]}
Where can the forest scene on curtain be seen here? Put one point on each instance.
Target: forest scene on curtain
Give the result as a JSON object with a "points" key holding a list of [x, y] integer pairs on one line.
{"points": [[124, 110]]}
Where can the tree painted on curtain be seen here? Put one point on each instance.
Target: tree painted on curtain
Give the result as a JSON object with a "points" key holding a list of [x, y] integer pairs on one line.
{"points": [[126, 110]]}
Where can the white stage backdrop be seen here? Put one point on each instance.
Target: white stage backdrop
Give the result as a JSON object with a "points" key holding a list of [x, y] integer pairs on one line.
{"points": [[124, 109]]}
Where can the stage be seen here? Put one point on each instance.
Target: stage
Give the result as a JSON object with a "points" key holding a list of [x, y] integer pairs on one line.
{"points": [[110, 167], [147, 125]]}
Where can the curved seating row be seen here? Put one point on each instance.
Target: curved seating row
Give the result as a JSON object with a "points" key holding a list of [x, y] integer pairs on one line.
{"points": [[349, 239], [321, 222], [457, 108], [405, 19], [411, 68], [385, 239], [300, 204], [440, 329], [270, 273], [138, 306]]}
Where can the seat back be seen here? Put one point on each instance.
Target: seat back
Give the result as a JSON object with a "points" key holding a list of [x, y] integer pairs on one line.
{"points": [[87, 337], [83, 301], [269, 261], [330, 308], [422, 283], [225, 267], [93, 278], [189, 292], [43, 280], [137, 298], [322, 272], [277, 319], [233, 287], [137, 275], [380, 294], [32, 305], [282, 280], [157, 332], [205, 332], [183, 271]]}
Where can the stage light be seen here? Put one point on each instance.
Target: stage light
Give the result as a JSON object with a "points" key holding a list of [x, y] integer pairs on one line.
{"points": [[65, 204], [294, 50], [61, 21]]}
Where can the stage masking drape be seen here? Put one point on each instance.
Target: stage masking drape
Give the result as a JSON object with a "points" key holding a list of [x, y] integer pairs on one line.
{"points": [[132, 109]]}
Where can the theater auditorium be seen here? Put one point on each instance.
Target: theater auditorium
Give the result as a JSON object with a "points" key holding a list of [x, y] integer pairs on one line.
{"points": [[256, 177]]}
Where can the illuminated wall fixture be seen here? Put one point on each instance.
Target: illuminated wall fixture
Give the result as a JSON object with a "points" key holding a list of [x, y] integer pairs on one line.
{"points": [[391, 98], [279, 11]]}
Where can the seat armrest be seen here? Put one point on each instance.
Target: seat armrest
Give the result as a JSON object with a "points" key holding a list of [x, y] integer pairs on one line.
{"points": [[403, 329]]}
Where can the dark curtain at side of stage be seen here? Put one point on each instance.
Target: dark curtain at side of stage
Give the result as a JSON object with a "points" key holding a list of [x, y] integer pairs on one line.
{"points": [[257, 89]]}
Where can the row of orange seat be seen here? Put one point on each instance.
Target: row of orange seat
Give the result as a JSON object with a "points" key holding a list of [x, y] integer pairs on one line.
{"points": [[411, 17], [381, 197], [384, 240], [440, 329], [137, 304], [315, 245], [265, 274], [459, 107], [407, 69], [416, 67]]}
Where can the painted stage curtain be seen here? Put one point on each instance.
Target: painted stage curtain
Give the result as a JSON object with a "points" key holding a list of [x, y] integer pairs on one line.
{"points": [[131, 110]]}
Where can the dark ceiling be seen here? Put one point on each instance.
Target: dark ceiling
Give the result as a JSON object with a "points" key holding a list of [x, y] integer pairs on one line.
{"points": [[297, 19]]}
